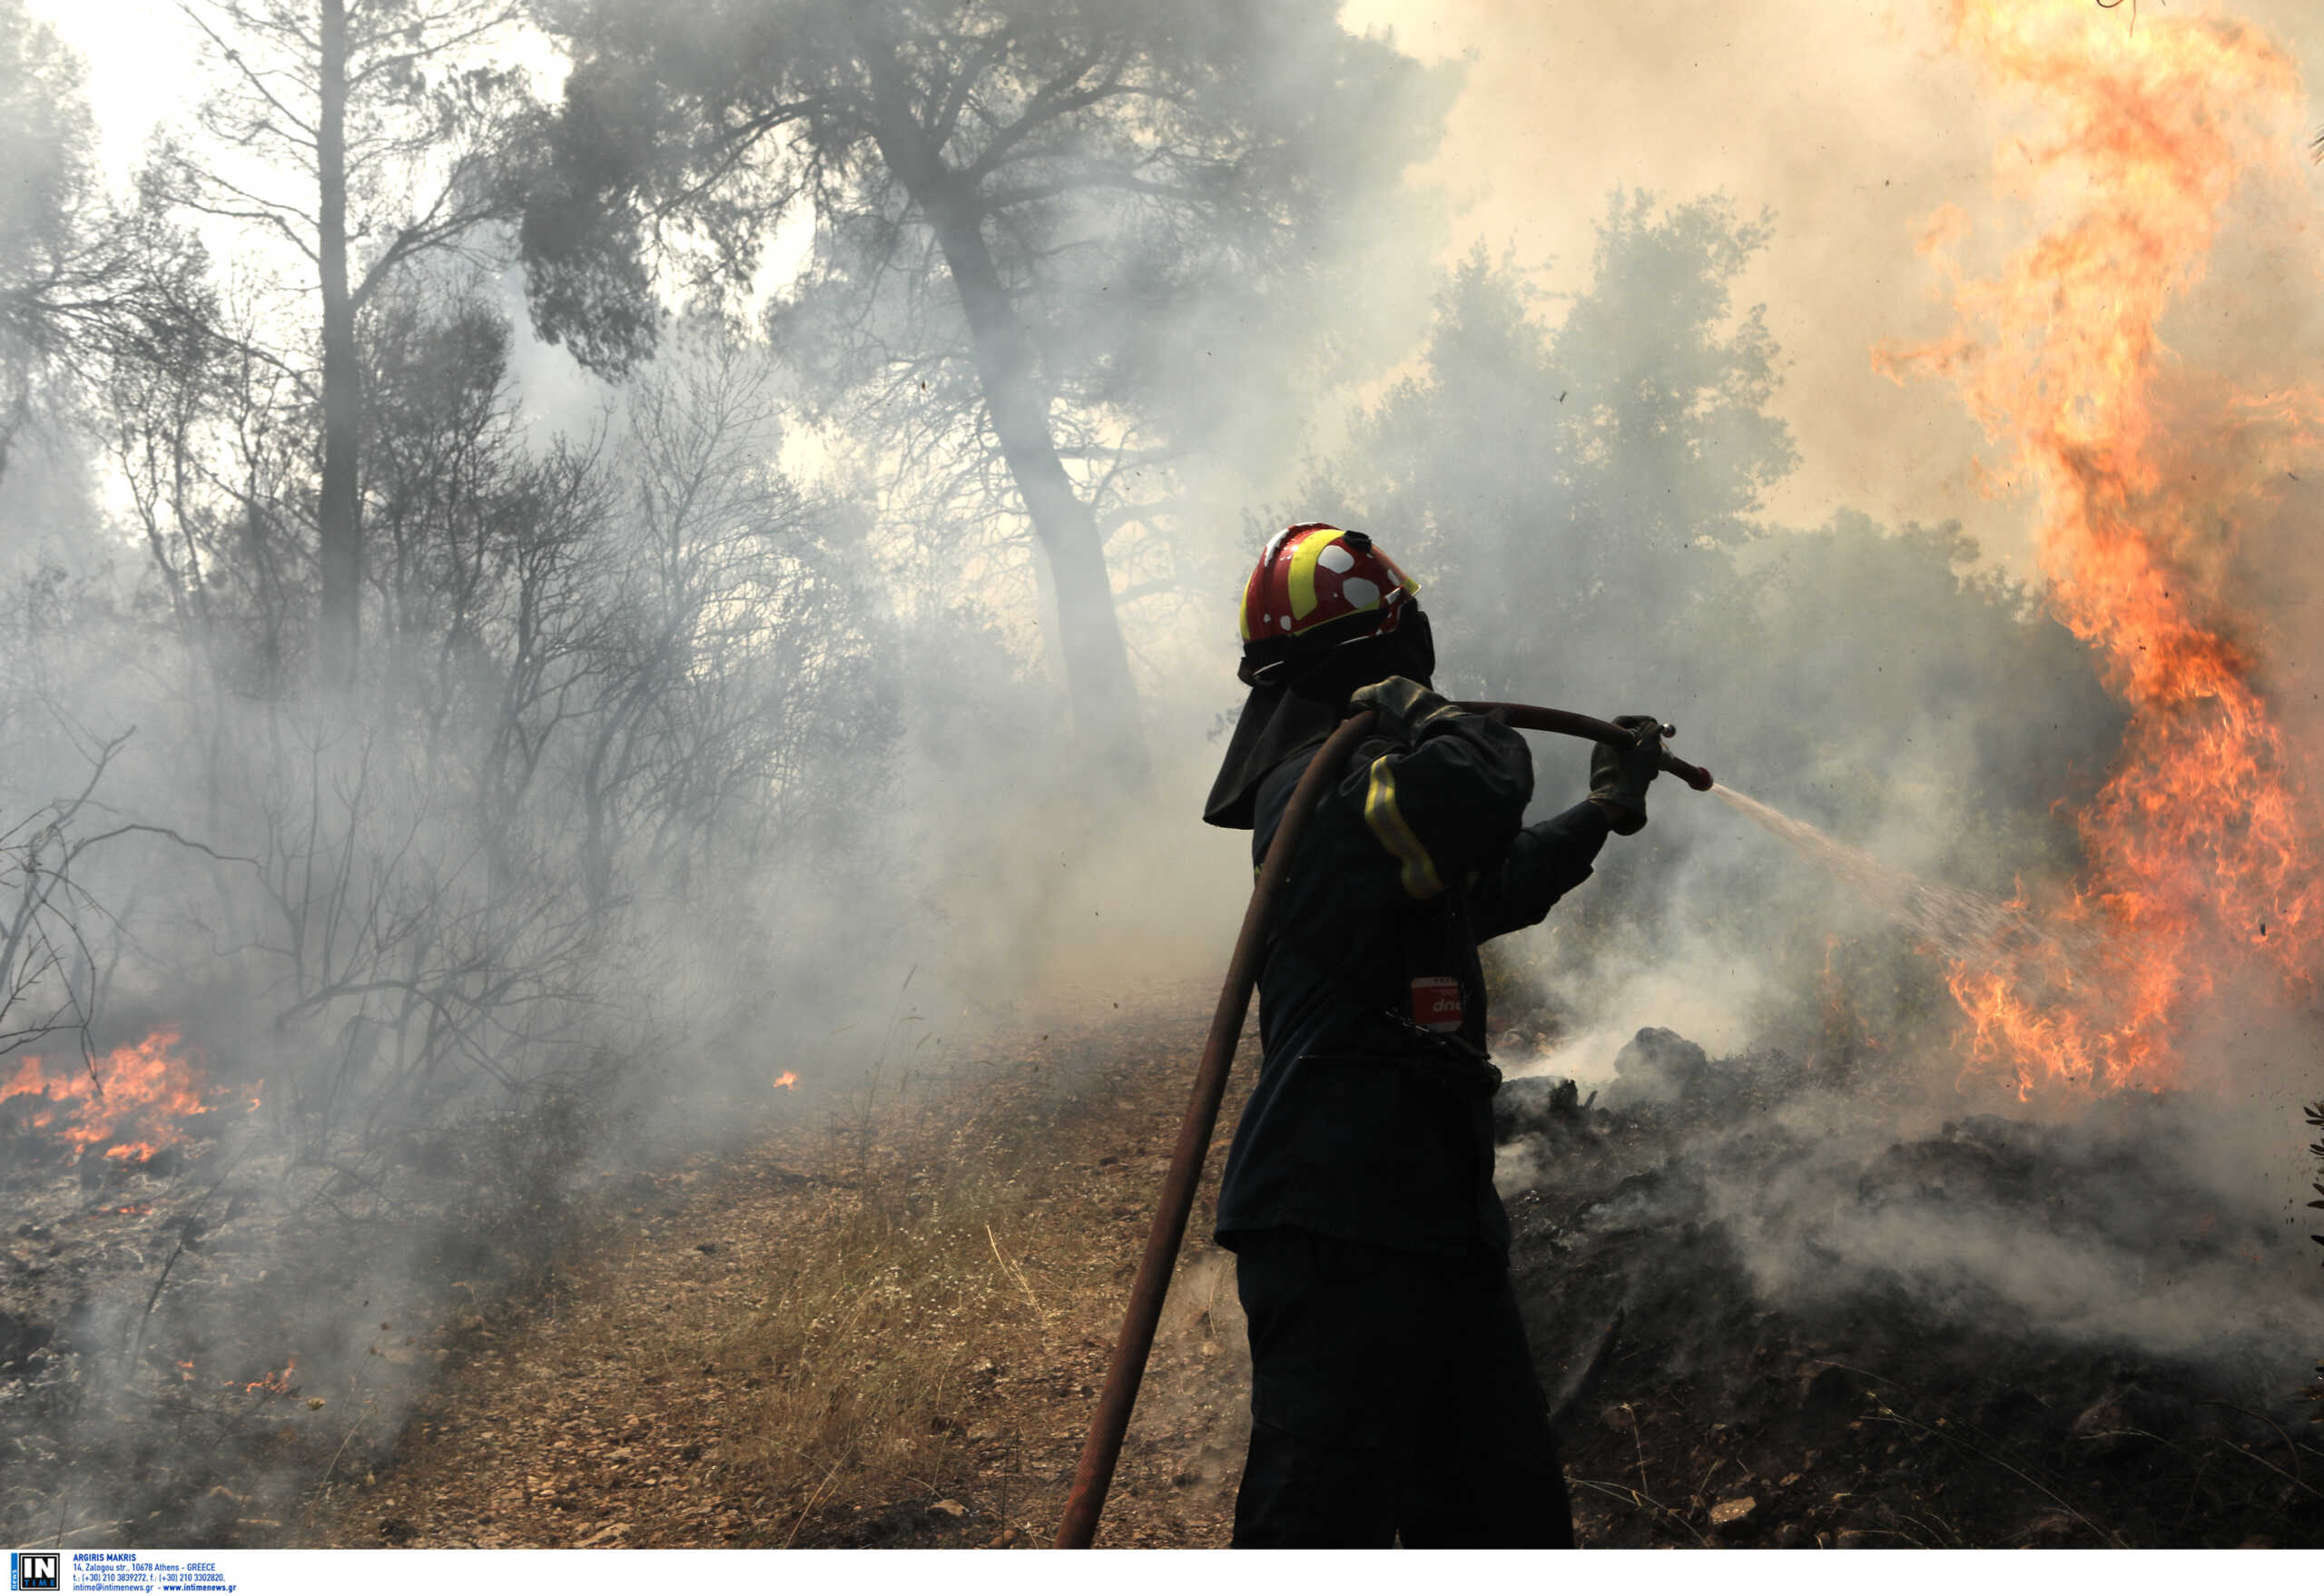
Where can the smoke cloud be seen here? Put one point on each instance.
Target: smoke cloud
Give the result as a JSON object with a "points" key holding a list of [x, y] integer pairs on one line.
{"points": [[715, 714]]}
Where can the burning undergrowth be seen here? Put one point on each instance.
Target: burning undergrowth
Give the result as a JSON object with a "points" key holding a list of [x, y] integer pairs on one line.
{"points": [[2049, 1245], [2154, 482], [200, 1329], [131, 1108], [417, 957], [2083, 1330]]}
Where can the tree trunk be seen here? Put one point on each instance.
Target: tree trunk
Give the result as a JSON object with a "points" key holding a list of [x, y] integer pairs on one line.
{"points": [[340, 540], [1089, 636]]}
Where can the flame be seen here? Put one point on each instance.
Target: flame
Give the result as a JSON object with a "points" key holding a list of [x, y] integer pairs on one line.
{"points": [[2200, 873], [274, 1385], [787, 1081], [136, 1106]]}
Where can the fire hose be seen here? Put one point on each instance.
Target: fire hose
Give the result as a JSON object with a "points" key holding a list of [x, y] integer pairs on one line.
{"points": [[1095, 1473]]}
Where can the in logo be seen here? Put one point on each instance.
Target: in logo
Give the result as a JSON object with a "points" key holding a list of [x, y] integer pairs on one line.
{"points": [[35, 1570]]}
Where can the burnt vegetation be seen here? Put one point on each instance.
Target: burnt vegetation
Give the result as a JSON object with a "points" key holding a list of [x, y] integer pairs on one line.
{"points": [[525, 615], [430, 909], [1904, 1393]]}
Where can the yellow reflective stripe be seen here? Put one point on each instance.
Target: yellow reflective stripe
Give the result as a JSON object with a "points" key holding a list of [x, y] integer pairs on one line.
{"points": [[1388, 823], [1303, 572]]}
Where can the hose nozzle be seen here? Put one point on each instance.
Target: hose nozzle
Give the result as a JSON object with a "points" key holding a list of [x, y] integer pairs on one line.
{"points": [[1533, 718]]}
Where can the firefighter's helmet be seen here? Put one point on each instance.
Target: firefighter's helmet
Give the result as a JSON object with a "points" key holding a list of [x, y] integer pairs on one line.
{"points": [[1316, 587]]}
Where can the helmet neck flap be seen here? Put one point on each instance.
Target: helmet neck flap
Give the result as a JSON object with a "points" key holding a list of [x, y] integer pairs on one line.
{"points": [[1354, 619]]}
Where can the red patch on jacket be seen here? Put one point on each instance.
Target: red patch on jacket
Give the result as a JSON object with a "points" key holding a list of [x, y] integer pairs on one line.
{"points": [[1436, 1002]]}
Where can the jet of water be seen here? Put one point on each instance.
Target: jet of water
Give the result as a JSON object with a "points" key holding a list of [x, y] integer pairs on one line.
{"points": [[1955, 922]]}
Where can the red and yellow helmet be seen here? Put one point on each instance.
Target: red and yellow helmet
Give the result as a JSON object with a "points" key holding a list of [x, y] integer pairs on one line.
{"points": [[1312, 574]]}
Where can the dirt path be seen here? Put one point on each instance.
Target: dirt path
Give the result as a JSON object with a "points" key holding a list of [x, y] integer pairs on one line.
{"points": [[883, 1325]]}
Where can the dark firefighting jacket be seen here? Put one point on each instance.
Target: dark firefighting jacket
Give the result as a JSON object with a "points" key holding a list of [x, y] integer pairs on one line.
{"points": [[1371, 1118]]}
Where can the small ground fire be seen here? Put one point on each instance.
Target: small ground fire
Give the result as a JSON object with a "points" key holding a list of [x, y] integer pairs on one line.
{"points": [[133, 1103]]}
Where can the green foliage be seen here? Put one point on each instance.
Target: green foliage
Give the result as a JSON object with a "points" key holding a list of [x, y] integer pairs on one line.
{"points": [[434, 141], [1129, 162], [47, 129], [1855, 653], [1096, 230], [1579, 495], [83, 283], [1545, 477], [1578, 500]]}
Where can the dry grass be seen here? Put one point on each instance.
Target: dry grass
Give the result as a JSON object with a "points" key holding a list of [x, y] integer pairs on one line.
{"points": [[884, 1324], [871, 1346], [938, 1336]]}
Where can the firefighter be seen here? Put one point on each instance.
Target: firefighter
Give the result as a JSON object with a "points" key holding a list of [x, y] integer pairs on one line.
{"points": [[1393, 1396]]}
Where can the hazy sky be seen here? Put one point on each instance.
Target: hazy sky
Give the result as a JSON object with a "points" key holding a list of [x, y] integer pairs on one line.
{"points": [[1849, 120]]}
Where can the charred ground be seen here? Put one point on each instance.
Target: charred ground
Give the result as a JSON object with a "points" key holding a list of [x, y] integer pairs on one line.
{"points": [[885, 1326], [192, 1343], [1884, 1407]]}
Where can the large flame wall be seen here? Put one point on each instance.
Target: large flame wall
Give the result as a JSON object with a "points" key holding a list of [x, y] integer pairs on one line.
{"points": [[2200, 848]]}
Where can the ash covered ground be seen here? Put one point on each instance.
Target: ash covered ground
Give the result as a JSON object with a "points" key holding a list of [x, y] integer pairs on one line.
{"points": [[194, 1345], [1848, 1321]]}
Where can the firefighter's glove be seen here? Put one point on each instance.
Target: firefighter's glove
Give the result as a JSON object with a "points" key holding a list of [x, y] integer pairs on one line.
{"points": [[1620, 775], [1402, 707]]}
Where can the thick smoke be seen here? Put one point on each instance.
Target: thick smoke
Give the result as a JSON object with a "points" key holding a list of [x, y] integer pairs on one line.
{"points": [[1884, 684], [713, 712], [664, 767]]}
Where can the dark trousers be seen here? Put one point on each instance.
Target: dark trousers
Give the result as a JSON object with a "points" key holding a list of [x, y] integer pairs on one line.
{"points": [[1392, 1397]]}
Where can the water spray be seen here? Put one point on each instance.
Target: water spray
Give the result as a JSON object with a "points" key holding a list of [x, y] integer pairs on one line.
{"points": [[1099, 1454], [1958, 923]]}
